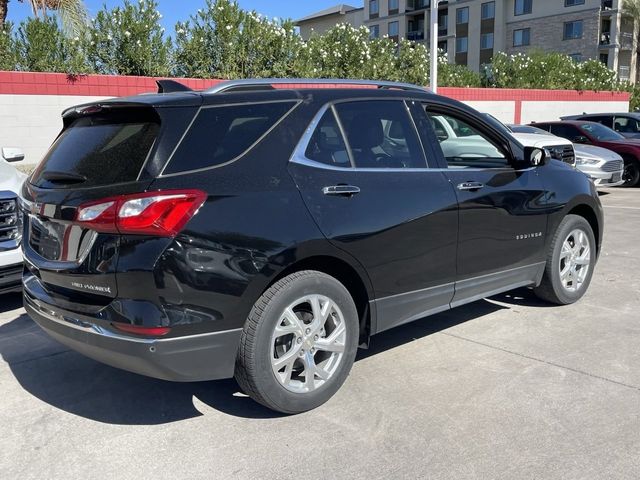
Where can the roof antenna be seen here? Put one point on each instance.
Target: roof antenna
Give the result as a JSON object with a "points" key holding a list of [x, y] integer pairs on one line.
{"points": [[170, 86]]}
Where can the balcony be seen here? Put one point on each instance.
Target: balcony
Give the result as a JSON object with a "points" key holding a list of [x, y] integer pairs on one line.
{"points": [[626, 41], [606, 5], [415, 35], [624, 73], [417, 4], [605, 38]]}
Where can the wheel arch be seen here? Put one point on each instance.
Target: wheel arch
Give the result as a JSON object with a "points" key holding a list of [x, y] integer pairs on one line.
{"points": [[587, 212], [354, 281]]}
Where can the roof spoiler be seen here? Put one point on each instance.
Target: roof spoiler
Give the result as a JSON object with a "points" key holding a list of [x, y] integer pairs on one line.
{"points": [[170, 86]]}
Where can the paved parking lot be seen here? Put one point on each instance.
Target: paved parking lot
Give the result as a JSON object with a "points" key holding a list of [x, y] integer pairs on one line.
{"points": [[504, 388]]}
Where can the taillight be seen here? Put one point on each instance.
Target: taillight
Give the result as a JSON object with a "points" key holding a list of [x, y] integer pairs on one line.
{"points": [[162, 213]]}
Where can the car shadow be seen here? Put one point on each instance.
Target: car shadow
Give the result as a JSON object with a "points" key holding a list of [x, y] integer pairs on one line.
{"points": [[78, 385]]}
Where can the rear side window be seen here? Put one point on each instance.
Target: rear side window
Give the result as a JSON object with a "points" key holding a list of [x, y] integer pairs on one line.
{"points": [[99, 149], [381, 134], [221, 134], [327, 145]]}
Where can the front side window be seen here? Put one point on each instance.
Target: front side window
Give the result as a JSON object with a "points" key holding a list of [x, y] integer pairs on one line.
{"points": [[221, 134], [523, 7], [464, 146], [569, 132], [573, 30], [393, 29], [462, 44], [462, 15], [625, 125], [486, 41], [381, 134], [488, 10], [521, 37]]}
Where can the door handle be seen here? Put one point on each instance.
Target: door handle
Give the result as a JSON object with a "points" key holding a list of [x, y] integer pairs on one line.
{"points": [[470, 186], [343, 190]]}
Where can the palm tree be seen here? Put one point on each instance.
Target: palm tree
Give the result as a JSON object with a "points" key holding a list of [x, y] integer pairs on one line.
{"points": [[72, 13]]}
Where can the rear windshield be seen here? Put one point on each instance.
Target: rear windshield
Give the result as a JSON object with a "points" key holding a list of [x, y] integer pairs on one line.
{"points": [[99, 149], [221, 134]]}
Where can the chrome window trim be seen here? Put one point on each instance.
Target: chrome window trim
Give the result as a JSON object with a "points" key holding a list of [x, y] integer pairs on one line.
{"points": [[296, 104]]}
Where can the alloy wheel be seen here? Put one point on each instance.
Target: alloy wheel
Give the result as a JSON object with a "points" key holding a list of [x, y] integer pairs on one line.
{"points": [[575, 260], [308, 343]]}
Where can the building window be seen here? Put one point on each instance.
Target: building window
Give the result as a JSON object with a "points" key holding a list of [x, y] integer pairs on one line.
{"points": [[522, 7], [374, 8], [486, 41], [374, 31], [393, 4], [573, 30], [488, 10], [573, 3], [462, 15], [522, 37], [576, 57], [462, 44], [394, 29]]}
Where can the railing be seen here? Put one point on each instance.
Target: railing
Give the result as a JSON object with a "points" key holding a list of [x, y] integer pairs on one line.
{"points": [[605, 38], [606, 5], [417, 4], [626, 40], [624, 73], [415, 35]]}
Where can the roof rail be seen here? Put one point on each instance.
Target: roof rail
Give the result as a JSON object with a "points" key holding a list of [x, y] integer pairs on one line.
{"points": [[267, 83]]}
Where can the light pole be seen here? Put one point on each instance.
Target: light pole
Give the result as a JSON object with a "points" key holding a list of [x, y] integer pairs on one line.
{"points": [[433, 79]]}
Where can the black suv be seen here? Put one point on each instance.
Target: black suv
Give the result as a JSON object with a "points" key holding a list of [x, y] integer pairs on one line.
{"points": [[265, 229]]}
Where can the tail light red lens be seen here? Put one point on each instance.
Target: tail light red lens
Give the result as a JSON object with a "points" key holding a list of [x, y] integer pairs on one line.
{"points": [[162, 213]]}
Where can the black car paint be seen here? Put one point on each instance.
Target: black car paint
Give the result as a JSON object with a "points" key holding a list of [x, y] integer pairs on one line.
{"points": [[266, 216]]}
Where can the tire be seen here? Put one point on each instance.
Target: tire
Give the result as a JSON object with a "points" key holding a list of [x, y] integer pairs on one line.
{"points": [[564, 290], [303, 340], [631, 174]]}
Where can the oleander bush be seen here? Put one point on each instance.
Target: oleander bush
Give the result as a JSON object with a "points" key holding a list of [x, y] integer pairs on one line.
{"points": [[222, 40]]}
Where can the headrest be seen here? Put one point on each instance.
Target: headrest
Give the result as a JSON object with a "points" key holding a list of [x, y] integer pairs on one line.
{"points": [[365, 132]]}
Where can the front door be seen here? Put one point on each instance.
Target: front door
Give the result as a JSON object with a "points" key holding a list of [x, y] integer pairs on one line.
{"points": [[372, 195], [503, 219]]}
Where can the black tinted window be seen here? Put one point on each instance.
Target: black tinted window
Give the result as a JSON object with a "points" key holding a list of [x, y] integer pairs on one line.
{"points": [[99, 150], [565, 131], [220, 134], [326, 144], [381, 135]]}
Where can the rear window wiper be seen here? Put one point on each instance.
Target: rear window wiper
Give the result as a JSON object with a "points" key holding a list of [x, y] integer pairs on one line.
{"points": [[63, 177]]}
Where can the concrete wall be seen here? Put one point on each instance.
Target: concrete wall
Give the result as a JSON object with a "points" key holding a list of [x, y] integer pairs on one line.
{"points": [[31, 103]]}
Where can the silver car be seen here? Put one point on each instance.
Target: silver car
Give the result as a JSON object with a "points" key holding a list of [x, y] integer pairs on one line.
{"points": [[602, 166]]}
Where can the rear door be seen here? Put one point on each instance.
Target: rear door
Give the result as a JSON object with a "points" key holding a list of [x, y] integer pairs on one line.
{"points": [[364, 177], [502, 216]]}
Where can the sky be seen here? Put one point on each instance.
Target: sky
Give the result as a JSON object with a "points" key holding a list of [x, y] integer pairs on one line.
{"points": [[177, 10]]}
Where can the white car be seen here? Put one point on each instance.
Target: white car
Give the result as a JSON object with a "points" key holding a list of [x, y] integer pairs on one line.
{"points": [[457, 141], [10, 224], [602, 166]]}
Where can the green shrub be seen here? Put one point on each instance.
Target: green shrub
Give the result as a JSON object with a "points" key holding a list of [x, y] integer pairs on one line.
{"points": [[129, 40], [8, 57]]}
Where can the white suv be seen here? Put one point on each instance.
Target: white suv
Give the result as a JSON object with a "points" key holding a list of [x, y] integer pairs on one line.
{"points": [[10, 223]]}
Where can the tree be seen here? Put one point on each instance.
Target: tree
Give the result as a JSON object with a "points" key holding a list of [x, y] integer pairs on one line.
{"points": [[72, 13]]}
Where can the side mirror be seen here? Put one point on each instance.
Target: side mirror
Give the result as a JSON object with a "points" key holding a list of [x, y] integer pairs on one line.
{"points": [[535, 156], [12, 154], [580, 139]]}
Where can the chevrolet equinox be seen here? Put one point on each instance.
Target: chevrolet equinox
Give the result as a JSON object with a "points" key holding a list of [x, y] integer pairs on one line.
{"points": [[265, 229]]}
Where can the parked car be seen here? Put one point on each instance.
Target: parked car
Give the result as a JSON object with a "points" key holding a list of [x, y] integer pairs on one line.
{"points": [[602, 166], [268, 232], [592, 133], [625, 123], [10, 221]]}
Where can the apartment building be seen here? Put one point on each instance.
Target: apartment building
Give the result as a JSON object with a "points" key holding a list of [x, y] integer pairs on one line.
{"points": [[471, 31]]}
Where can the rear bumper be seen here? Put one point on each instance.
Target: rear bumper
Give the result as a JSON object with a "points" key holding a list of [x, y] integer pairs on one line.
{"points": [[208, 356]]}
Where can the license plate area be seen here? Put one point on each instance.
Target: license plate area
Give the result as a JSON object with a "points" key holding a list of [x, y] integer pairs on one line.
{"points": [[59, 241]]}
